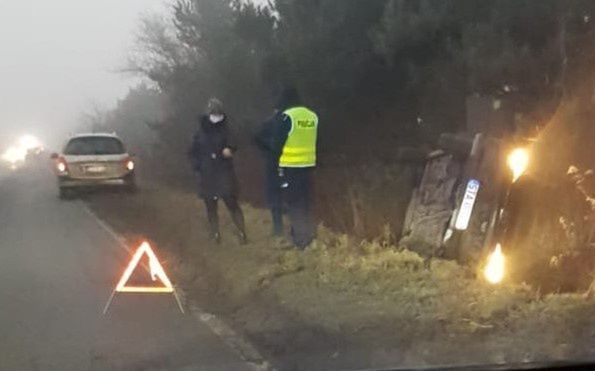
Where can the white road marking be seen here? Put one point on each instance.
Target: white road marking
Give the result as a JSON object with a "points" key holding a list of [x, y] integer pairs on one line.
{"points": [[113, 234], [235, 342]]}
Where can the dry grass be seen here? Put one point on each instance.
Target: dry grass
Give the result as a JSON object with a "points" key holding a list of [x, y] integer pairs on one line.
{"points": [[344, 294]]}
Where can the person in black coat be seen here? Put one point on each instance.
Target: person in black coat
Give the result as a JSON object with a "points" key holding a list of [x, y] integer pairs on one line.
{"points": [[212, 154]]}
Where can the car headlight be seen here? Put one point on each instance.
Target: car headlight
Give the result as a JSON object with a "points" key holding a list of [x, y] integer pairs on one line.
{"points": [[518, 162]]}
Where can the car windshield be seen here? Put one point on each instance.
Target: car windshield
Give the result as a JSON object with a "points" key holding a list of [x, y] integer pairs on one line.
{"points": [[94, 146]]}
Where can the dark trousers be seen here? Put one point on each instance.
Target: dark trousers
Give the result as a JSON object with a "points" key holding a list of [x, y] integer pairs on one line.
{"points": [[234, 210], [274, 197], [296, 186], [277, 217]]}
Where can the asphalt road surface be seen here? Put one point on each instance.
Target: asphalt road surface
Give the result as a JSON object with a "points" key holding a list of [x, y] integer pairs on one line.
{"points": [[57, 270]]}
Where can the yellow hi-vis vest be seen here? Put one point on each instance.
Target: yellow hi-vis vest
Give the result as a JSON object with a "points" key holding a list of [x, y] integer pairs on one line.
{"points": [[300, 147]]}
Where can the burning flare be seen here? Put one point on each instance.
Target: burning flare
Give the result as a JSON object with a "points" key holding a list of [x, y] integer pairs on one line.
{"points": [[494, 270], [518, 162]]}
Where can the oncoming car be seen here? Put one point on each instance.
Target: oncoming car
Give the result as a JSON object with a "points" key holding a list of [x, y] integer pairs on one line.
{"points": [[94, 160]]}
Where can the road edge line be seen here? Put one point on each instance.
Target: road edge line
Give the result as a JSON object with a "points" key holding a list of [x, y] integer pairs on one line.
{"points": [[113, 234], [246, 351]]}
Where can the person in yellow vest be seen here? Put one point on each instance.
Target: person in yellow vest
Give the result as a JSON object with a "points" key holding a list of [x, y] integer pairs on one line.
{"points": [[293, 145]]}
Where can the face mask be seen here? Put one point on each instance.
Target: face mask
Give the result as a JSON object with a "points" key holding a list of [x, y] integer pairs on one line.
{"points": [[215, 119]]}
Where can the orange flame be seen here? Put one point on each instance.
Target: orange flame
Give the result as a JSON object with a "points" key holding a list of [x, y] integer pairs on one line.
{"points": [[155, 268]]}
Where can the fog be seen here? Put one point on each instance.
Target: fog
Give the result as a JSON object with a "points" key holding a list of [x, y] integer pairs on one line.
{"points": [[59, 58]]}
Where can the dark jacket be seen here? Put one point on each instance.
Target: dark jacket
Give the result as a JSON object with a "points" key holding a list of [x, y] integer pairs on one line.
{"points": [[266, 140], [280, 123], [272, 137], [216, 173]]}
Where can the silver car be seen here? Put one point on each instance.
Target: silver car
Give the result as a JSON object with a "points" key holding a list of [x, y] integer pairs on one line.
{"points": [[92, 160]]}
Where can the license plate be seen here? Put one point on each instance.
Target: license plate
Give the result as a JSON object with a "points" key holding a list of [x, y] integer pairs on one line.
{"points": [[466, 209], [95, 169]]}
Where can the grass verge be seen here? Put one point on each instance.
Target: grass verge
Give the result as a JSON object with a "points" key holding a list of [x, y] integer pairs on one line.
{"points": [[345, 304]]}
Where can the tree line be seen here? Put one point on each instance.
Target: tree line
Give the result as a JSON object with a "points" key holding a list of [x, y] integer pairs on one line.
{"points": [[380, 73], [384, 62]]}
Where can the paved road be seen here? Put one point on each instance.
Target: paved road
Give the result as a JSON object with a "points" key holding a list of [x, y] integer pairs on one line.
{"points": [[57, 270]]}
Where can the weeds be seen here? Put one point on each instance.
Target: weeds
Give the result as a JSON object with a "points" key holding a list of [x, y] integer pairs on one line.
{"points": [[370, 292]]}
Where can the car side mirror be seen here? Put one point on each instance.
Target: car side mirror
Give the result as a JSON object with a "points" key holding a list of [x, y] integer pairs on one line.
{"points": [[54, 156]]}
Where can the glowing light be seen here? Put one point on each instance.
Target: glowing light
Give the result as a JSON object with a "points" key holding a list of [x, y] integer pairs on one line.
{"points": [[29, 142], [61, 167], [14, 155], [494, 270], [18, 153], [130, 165], [518, 162], [155, 269]]}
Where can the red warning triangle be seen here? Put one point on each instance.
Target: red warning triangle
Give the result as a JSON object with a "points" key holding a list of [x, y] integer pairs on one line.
{"points": [[155, 269]]}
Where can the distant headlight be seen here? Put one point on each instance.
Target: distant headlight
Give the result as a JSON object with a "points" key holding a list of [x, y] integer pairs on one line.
{"points": [[29, 142], [14, 155], [130, 165]]}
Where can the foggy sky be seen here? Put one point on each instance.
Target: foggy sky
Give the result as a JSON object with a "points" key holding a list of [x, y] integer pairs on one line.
{"points": [[57, 59]]}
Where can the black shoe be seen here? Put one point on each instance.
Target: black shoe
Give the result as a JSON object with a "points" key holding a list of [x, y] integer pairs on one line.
{"points": [[216, 237]]}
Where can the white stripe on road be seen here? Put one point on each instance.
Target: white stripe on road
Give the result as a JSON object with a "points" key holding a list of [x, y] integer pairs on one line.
{"points": [[113, 234], [235, 342]]}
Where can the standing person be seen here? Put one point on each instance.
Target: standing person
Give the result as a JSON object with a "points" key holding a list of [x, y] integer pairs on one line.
{"points": [[212, 154], [264, 141], [293, 144]]}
